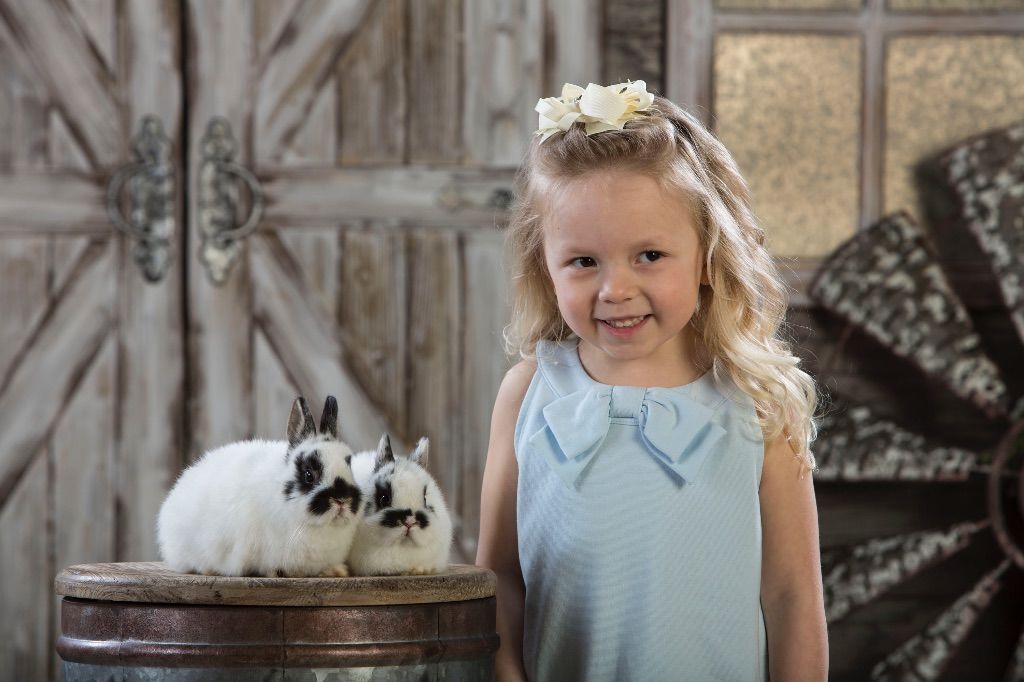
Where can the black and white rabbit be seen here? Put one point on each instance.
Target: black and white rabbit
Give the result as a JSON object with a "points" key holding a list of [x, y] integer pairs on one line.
{"points": [[406, 528], [270, 508]]}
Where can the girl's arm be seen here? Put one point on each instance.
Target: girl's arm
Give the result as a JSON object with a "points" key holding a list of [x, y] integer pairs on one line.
{"points": [[791, 590], [498, 547]]}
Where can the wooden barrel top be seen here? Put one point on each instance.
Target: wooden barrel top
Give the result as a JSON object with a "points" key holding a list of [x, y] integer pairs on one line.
{"points": [[153, 582]]}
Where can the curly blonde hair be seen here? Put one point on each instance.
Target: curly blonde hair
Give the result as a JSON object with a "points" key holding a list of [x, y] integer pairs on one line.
{"points": [[740, 315]]}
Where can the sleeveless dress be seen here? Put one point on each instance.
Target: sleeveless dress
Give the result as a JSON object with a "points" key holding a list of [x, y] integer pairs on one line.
{"points": [[639, 528]]}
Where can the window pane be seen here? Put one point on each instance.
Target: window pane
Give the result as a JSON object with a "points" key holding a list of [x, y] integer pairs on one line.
{"points": [[940, 90], [788, 108]]}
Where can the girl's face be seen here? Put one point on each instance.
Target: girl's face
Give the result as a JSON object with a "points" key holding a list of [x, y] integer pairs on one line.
{"points": [[626, 265]]}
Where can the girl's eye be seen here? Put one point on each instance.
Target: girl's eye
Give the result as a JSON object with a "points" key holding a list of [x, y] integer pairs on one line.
{"points": [[582, 262], [651, 256]]}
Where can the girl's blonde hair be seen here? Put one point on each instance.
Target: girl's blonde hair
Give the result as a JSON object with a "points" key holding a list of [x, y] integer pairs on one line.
{"points": [[739, 316]]}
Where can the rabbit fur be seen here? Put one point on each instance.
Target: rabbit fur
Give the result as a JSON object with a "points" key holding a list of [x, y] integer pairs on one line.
{"points": [[406, 527], [268, 508]]}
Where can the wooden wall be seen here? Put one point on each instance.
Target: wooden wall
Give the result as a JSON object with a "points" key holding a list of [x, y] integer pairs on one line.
{"points": [[384, 136]]}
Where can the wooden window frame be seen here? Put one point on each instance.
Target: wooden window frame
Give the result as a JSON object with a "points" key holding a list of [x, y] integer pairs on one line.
{"points": [[693, 25]]}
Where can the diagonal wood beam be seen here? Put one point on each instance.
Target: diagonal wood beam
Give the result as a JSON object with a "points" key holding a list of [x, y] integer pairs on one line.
{"points": [[294, 72], [55, 358], [74, 76], [307, 344]]}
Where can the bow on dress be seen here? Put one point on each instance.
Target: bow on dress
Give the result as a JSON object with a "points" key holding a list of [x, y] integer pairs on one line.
{"points": [[678, 432]]}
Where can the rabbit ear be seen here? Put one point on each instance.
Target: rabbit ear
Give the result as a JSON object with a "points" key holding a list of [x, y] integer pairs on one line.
{"points": [[419, 455], [300, 422], [329, 418], [384, 453]]}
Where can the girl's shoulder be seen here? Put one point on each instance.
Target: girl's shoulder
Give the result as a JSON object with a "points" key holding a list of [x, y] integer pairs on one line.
{"points": [[515, 384]]}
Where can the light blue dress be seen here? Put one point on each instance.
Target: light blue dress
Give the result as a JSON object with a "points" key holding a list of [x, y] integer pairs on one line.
{"points": [[639, 528]]}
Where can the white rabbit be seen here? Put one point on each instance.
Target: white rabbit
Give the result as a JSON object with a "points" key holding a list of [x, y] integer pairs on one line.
{"points": [[406, 528], [270, 508]]}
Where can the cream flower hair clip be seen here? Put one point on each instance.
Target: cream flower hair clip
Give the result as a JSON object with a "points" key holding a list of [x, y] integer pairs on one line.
{"points": [[600, 108]]}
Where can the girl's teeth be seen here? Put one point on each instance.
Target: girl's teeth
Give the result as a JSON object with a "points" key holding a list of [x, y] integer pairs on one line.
{"points": [[626, 323]]}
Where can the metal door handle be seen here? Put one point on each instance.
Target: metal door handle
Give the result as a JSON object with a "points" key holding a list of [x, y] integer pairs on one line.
{"points": [[219, 226], [150, 180]]}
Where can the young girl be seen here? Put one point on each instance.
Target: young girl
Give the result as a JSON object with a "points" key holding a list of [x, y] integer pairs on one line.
{"points": [[645, 501]]}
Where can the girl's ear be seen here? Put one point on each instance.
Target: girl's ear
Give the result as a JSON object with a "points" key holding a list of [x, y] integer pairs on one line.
{"points": [[704, 274]]}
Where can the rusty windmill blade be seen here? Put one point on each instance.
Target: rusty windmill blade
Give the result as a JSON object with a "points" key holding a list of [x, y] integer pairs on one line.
{"points": [[985, 175], [926, 655], [876, 566], [855, 445], [886, 281]]}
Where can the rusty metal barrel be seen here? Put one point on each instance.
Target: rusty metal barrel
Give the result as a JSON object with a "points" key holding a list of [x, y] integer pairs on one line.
{"points": [[142, 621]]}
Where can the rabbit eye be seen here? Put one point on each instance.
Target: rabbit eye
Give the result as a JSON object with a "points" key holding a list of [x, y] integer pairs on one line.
{"points": [[308, 476], [383, 497]]}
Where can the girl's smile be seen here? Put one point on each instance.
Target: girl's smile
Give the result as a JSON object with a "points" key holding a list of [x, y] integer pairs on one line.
{"points": [[624, 327], [626, 265]]}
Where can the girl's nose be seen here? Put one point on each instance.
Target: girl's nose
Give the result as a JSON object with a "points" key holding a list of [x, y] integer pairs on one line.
{"points": [[618, 286]]}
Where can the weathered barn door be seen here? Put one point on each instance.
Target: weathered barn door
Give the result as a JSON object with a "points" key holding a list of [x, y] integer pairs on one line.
{"points": [[320, 215], [91, 363], [381, 138]]}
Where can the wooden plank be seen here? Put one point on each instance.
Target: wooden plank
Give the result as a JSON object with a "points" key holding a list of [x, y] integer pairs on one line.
{"points": [[372, 98], [502, 66], [24, 544], [372, 317], [153, 62], [30, 138], [99, 23], [83, 475], [63, 150], [23, 104], [314, 145], [434, 362], [484, 363], [75, 78], [894, 22], [435, 100], [154, 582], [689, 55], [61, 348], [151, 398], [23, 279], [8, 78], [444, 197], [274, 391], [25, 591], [270, 24], [574, 53], [295, 70], [220, 328], [634, 42], [66, 204], [318, 250], [308, 346]]}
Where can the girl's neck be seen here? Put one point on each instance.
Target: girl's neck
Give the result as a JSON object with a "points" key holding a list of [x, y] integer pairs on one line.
{"points": [[673, 364]]}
